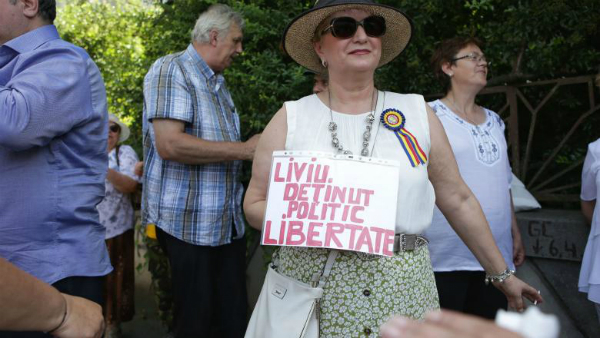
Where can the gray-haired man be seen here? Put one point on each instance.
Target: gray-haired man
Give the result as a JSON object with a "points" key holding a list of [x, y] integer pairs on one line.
{"points": [[192, 189]]}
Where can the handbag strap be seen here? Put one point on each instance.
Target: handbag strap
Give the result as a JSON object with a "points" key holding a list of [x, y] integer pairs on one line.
{"points": [[321, 278]]}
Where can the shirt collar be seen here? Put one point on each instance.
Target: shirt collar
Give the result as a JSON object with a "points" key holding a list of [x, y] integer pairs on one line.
{"points": [[217, 79], [33, 39]]}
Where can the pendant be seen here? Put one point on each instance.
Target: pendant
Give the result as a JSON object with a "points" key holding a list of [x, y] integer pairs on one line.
{"points": [[332, 126]]}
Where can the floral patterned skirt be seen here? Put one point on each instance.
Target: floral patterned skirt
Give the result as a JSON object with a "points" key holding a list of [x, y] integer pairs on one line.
{"points": [[362, 293]]}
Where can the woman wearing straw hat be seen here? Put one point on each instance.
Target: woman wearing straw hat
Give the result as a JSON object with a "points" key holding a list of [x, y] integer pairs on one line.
{"points": [[117, 216], [349, 40]]}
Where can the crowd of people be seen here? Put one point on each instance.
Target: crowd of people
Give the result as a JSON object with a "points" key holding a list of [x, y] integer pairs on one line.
{"points": [[66, 218]]}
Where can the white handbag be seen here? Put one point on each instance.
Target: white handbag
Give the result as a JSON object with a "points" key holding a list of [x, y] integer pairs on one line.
{"points": [[287, 307]]}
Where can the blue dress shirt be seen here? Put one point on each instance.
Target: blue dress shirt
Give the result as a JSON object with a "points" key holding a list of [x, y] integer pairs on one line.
{"points": [[53, 157]]}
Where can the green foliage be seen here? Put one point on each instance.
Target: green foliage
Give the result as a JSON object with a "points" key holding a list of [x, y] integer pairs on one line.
{"points": [[535, 39], [115, 37]]}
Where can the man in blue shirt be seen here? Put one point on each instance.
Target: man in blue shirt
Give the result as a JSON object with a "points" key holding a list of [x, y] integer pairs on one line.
{"points": [[192, 190], [53, 153]]}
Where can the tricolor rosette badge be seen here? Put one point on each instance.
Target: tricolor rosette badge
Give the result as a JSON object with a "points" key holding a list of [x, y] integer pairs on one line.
{"points": [[394, 120]]}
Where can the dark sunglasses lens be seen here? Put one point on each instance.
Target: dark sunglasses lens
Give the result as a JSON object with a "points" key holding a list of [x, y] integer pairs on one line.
{"points": [[374, 26], [115, 128], [343, 27]]}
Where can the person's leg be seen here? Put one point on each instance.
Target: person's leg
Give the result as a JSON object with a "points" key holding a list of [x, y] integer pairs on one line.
{"points": [[597, 305], [119, 284], [484, 300], [85, 287], [231, 301], [452, 288], [192, 286]]}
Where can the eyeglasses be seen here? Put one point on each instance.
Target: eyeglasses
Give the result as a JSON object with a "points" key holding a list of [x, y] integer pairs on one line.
{"points": [[345, 27], [475, 57], [114, 128]]}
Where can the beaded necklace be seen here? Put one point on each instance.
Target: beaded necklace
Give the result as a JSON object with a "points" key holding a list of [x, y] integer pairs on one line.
{"points": [[366, 135]]}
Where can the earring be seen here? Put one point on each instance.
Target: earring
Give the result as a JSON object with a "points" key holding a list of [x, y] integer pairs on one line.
{"points": [[324, 63]]}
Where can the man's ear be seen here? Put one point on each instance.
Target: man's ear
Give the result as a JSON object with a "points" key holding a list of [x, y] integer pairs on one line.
{"points": [[213, 38], [30, 8]]}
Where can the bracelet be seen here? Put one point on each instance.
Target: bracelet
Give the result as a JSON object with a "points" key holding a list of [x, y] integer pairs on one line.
{"points": [[63, 319], [501, 277]]}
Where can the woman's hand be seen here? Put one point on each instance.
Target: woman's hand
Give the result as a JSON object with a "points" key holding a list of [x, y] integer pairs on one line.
{"points": [[515, 289], [444, 324], [138, 170], [518, 249]]}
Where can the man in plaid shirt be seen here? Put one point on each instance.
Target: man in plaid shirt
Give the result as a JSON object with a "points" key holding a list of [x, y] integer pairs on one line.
{"points": [[192, 190]]}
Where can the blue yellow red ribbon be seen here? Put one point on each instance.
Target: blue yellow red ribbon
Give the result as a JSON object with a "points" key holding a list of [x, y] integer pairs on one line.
{"points": [[394, 120]]}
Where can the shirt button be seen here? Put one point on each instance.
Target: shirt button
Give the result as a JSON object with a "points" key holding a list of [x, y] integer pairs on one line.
{"points": [[367, 331], [367, 293]]}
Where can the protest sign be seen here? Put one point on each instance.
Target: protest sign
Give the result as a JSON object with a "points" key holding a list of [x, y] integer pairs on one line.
{"points": [[323, 200]]}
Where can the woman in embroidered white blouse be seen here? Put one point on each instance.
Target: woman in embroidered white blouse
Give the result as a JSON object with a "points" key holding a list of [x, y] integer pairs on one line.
{"points": [[476, 136]]}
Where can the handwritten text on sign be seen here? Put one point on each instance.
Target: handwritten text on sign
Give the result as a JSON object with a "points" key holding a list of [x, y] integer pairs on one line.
{"points": [[325, 201]]}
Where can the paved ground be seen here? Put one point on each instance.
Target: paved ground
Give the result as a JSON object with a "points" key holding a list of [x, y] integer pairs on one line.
{"points": [[557, 281]]}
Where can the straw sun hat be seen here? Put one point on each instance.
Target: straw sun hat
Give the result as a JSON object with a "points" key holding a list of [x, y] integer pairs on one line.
{"points": [[124, 135], [297, 38]]}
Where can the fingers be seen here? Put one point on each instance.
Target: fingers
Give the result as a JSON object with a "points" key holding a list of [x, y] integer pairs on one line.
{"points": [[400, 327], [516, 302], [467, 325], [444, 324], [533, 295], [515, 290], [519, 257]]}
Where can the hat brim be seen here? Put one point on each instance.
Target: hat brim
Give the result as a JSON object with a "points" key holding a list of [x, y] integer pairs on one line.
{"points": [[298, 36], [124, 135]]}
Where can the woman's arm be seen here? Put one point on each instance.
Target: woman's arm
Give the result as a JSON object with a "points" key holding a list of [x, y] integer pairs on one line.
{"points": [[272, 139], [124, 180], [121, 182], [518, 248], [28, 304], [460, 207], [587, 209]]}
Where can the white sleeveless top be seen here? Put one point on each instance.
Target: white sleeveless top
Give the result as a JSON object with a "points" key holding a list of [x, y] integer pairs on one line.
{"points": [[307, 125], [482, 158]]}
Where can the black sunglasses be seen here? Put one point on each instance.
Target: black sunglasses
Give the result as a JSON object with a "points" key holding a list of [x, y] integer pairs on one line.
{"points": [[115, 128], [345, 27]]}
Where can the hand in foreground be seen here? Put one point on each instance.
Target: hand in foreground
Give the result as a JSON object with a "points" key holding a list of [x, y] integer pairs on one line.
{"points": [[515, 289], [444, 324], [84, 319]]}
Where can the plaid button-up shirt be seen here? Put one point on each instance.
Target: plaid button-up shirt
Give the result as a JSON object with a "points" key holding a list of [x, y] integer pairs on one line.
{"points": [[197, 204]]}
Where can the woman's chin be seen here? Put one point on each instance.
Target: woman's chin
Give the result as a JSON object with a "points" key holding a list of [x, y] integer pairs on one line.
{"points": [[360, 67]]}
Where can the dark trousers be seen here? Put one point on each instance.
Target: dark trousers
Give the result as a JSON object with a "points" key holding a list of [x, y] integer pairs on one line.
{"points": [[465, 291], [85, 287], [209, 288]]}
